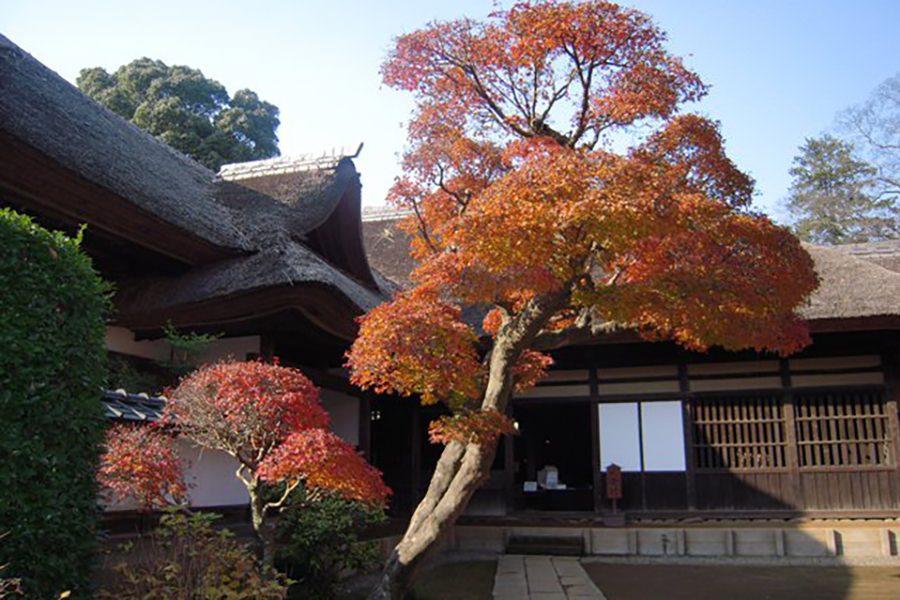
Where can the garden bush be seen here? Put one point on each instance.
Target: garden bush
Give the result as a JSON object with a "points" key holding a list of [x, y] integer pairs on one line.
{"points": [[320, 541], [52, 369], [185, 558]]}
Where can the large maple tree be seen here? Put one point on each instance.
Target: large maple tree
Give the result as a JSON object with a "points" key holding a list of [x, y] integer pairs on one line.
{"points": [[554, 181]]}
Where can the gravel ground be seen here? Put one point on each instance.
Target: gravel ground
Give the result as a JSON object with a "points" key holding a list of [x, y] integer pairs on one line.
{"points": [[691, 582]]}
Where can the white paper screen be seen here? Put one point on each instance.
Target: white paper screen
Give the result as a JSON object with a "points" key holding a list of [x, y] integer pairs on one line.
{"points": [[619, 441], [663, 436]]}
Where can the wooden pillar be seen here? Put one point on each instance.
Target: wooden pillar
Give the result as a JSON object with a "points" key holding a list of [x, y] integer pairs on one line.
{"points": [[791, 451], [415, 456], [509, 469], [891, 362], [365, 425], [687, 420], [597, 479], [267, 346]]}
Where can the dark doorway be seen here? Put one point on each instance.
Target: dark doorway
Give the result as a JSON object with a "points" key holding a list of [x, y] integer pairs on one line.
{"points": [[554, 435]]}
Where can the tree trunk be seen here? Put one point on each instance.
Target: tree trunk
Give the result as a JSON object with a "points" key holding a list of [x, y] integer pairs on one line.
{"points": [[265, 543], [463, 468]]}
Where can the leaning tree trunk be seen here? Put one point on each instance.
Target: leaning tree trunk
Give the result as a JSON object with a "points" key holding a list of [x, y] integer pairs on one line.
{"points": [[462, 468]]}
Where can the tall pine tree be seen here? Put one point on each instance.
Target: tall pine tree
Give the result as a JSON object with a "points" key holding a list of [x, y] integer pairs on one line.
{"points": [[833, 199]]}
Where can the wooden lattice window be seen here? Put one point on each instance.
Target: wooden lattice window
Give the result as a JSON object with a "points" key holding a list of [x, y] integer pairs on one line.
{"points": [[738, 432], [837, 429]]}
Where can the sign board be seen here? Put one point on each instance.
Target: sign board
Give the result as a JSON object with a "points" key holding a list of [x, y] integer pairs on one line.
{"points": [[614, 482]]}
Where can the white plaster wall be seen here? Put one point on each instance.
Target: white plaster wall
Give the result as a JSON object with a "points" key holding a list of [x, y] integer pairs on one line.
{"points": [[235, 347], [344, 412], [210, 476], [119, 339]]}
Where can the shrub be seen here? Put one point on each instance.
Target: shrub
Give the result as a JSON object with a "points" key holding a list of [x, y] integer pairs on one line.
{"points": [[52, 369], [185, 558], [320, 542]]}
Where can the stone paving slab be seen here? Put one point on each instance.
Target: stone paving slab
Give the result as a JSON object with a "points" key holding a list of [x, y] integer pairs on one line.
{"points": [[543, 578]]}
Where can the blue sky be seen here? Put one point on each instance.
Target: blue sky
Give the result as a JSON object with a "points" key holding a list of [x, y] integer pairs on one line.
{"points": [[779, 70]]}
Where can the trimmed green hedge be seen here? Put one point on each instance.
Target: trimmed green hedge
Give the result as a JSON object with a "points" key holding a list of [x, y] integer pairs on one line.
{"points": [[52, 368]]}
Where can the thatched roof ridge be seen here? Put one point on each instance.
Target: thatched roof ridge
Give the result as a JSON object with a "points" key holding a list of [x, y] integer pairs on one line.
{"points": [[310, 187], [850, 287], [41, 109], [885, 252], [383, 213]]}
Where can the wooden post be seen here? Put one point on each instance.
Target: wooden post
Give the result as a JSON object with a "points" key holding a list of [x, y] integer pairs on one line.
{"points": [[509, 467], [687, 420], [365, 425], [795, 493], [891, 366], [415, 457], [595, 431]]}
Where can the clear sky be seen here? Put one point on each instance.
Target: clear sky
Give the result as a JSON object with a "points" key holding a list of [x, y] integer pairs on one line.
{"points": [[780, 69]]}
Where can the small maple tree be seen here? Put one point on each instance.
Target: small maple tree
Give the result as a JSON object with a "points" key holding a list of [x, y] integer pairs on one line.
{"points": [[521, 203], [269, 419]]}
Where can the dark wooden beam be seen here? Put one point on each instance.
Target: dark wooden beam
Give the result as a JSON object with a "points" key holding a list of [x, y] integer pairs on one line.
{"points": [[596, 466], [687, 420], [891, 361], [794, 491]]}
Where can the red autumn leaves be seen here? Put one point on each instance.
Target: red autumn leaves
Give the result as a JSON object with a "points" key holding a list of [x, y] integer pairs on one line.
{"points": [[266, 416]]}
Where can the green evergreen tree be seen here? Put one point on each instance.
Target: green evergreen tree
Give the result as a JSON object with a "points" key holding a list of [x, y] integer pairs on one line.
{"points": [[833, 199], [184, 109]]}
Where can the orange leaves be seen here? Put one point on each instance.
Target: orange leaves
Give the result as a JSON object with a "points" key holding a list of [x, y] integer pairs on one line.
{"points": [[478, 427], [141, 464], [518, 194], [529, 369], [416, 345], [322, 460], [716, 277]]}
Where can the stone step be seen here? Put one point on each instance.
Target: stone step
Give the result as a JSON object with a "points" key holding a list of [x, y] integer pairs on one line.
{"points": [[546, 545]]}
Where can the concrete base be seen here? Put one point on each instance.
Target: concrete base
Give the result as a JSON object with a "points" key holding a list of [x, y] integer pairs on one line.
{"points": [[835, 542]]}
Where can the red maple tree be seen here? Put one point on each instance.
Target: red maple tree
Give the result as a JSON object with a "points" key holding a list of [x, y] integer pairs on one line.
{"points": [[522, 203], [269, 419]]}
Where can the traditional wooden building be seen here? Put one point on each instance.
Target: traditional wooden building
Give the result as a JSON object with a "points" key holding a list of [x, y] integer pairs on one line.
{"points": [[699, 438], [273, 255], [267, 254]]}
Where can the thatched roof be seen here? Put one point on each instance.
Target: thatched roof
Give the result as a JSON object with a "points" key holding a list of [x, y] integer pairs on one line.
{"points": [[387, 245], [851, 287], [280, 222], [286, 263], [42, 110], [885, 253], [309, 187]]}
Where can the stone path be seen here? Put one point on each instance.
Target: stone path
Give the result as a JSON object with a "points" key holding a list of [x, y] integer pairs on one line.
{"points": [[543, 578]]}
